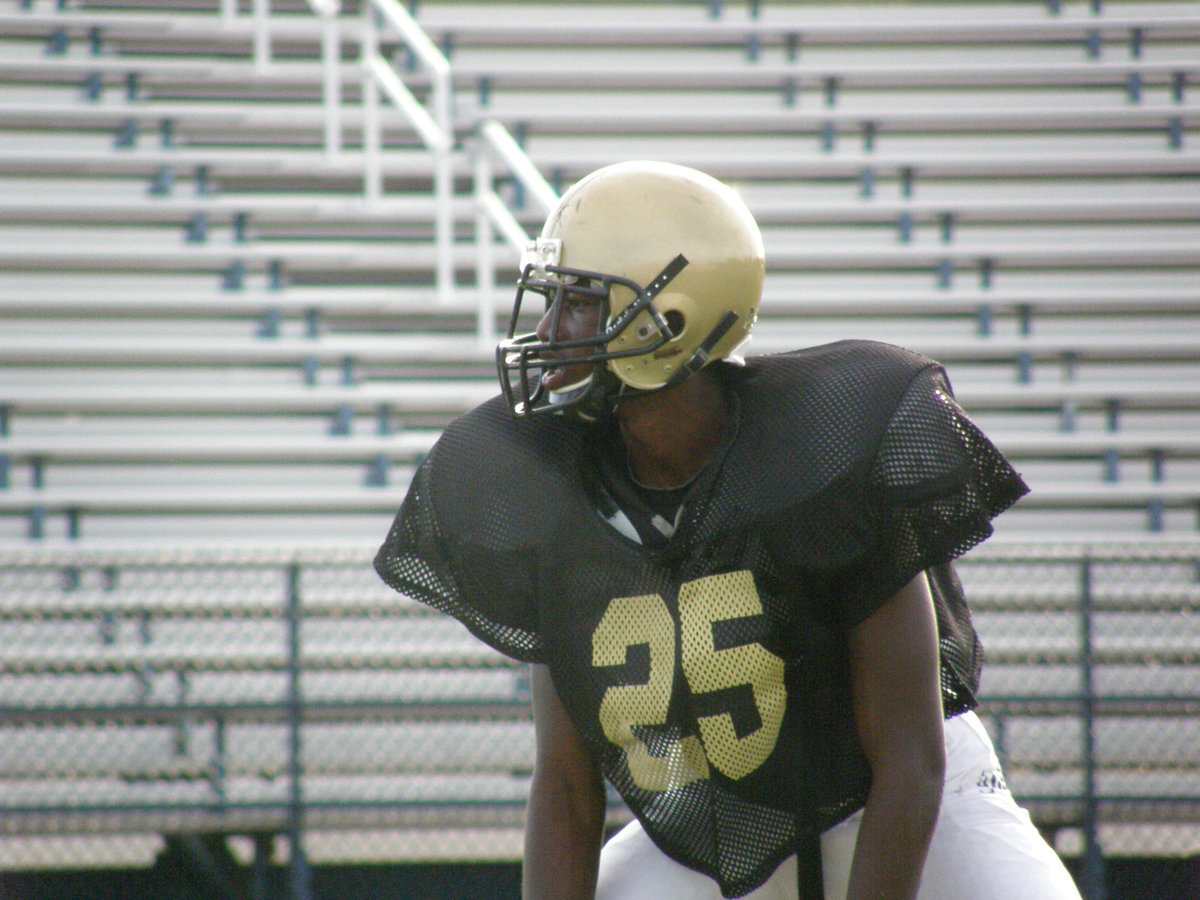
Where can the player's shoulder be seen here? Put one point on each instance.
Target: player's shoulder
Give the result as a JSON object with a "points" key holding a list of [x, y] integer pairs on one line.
{"points": [[487, 465], [491, 443], [840, 361], [858, 378]]}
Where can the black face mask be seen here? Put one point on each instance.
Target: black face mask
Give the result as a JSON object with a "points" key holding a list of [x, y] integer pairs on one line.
{"points": [[522, 359]]}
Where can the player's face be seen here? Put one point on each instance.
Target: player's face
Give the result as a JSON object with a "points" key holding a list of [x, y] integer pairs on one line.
{"points": [[574, 316]]}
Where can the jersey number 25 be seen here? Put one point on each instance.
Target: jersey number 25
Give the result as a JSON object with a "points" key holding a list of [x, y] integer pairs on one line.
{"points": [[674, 762]]}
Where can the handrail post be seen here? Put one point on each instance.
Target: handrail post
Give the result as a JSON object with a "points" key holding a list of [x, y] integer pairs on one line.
{"points": [[443, 187], [299, 876], [433, 122], [485, 257], [1093, 855], [492, 214], [368, 49], [262, 35], [331, 65]]}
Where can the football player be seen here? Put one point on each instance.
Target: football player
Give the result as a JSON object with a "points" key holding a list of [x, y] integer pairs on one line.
{"points": [[732, 578]]}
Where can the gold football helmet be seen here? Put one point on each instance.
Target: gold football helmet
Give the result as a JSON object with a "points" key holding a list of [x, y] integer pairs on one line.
{"points": [[675, 260]]}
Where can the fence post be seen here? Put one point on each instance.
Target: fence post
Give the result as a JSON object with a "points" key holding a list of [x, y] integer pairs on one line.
{"points": [[1092, 876], [299, 877]]}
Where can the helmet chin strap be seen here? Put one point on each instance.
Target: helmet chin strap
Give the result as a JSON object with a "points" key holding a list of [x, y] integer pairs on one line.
{"points": [[603, 391], [700, 358]]}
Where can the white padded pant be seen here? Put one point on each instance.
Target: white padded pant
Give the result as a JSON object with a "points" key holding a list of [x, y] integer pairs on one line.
{"points": [[984, 846]]}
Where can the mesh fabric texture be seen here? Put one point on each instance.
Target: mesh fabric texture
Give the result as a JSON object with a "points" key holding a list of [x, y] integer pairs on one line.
{"points": [[709, 676]]}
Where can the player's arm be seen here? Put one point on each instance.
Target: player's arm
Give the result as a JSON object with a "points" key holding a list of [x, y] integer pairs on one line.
{"points": [[898, 712], [564, 823]]}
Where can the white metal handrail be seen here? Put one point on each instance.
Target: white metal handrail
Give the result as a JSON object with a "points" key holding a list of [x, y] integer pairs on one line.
{"points": [[435, 127], [331, 62], [492, 214], [328, 10]]}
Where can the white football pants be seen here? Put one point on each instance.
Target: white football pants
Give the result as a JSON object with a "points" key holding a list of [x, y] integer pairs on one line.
{"points": [[984, 846]]}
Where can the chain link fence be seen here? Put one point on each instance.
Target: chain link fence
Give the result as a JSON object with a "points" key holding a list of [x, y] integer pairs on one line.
{"points": [[278, 710]]}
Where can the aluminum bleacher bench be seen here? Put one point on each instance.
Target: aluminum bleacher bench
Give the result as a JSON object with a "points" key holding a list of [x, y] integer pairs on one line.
{"points": [[1153, 497], [793, 82], [435, 350], [1020, 350], [463, 22], [203, 169], [567, 160], [790, 81], [279, 258], [1109, 399], [76, 506], [244, 211], [374, 454], [166, 31], [405, 446], [249, 218], [191, 501], [447, 398], [334, 350], [1097, 460], [132, 75], [428, 397], [148, 160], [315, 310], [869, 124], [982, 259], [165, 295], [794, 30], [1159, 448], [269, 123]]}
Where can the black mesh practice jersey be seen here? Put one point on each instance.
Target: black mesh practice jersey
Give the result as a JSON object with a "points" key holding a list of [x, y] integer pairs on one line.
{"points": [[708, 673]]}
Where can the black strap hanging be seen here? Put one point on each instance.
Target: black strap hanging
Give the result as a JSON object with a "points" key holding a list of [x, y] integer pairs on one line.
{"points": [[810, 880]]}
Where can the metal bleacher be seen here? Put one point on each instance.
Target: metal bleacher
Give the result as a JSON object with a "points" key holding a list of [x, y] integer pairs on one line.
{"points": [[223, 354]]}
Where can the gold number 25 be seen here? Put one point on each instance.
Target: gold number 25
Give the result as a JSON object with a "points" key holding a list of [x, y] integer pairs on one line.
{"points": [[671, 763]]}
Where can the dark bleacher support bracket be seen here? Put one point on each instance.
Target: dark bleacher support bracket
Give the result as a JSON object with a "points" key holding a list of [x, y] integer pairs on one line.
{"points": [[1175, 133], [127, 135], [343, 420], [58, 43], [234, 277], [269, 326], [377, 471], [197, 229], [1133, 87], [163, 182]]}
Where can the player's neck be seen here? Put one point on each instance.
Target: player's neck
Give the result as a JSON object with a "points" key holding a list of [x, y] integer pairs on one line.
{"points": [[669, 436]]}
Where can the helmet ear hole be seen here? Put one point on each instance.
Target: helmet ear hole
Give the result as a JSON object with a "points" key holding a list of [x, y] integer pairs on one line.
{"points": [[675, 321]]}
